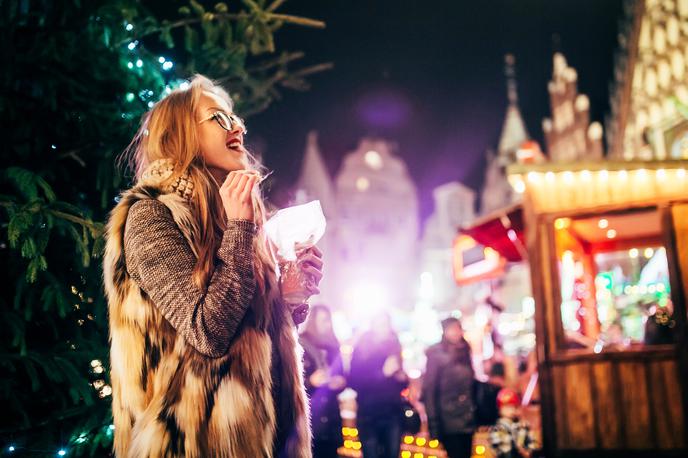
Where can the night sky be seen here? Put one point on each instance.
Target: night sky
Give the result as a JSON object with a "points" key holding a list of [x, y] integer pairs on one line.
{"points": [[430, 76]]}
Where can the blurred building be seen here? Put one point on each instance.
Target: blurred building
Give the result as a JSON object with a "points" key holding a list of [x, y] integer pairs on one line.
{"points": [[454, 208], [569, 135], [649, 97], [496, 192], [371, 245]]}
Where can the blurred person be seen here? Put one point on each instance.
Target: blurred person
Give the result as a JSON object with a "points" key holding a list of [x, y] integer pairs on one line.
{"points": [[659, 327], [323, 377], [203, 352], [378, 378], [511, 437], [448, 391]]}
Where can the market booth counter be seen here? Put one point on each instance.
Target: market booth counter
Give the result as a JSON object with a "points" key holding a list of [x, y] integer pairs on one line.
{"points": [[607, 244]]}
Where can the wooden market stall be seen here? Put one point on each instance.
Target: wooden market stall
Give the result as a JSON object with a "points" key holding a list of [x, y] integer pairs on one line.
{"points": [[607, 244]]}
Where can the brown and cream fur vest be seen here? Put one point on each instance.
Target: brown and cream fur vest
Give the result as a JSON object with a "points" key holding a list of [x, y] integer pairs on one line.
{"points": [[168, 399]]}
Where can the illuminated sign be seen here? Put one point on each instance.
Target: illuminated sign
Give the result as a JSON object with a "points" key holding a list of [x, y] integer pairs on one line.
{"points": [[474, 262]]}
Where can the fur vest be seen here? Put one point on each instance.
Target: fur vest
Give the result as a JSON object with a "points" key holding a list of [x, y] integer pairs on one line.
{"points": [[168, 399]]}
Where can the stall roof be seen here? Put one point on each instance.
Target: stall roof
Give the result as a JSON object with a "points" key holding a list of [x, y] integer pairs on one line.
{"points": [[501, 230]]}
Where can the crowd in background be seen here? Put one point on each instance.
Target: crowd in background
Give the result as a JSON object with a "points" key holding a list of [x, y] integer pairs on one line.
{"points": [[453, 402]]}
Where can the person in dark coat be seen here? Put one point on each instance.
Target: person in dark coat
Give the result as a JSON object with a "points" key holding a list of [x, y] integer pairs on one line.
{"points": [[324, 380], [448, 391], [378, 379]]}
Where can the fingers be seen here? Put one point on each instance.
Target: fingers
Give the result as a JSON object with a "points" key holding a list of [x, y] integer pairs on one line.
{"points": [[245, 195], [316, 251], [309, 258], [315, 274]]}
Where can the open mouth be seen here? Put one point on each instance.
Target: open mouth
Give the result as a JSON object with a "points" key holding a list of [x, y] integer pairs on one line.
{"points": [[235, 145]]}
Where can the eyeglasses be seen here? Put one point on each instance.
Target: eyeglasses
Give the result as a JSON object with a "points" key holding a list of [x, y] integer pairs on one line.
{"points": [[228, 122]]}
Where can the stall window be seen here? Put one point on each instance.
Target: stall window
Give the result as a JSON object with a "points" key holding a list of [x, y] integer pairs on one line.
{"points": [[614, 281]]}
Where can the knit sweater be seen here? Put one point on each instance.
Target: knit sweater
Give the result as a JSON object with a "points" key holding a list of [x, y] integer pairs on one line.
{"points": [[161, 262]]}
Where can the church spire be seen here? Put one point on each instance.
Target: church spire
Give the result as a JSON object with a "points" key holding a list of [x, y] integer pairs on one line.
{"points": [[314, 181], [510, 72], [514, 131]]}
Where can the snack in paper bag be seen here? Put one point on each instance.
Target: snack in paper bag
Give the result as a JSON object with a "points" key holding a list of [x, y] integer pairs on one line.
{"points": [[301, 226]]}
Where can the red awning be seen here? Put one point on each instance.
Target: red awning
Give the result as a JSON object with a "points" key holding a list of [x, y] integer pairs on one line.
{"points": [[501, 230]]}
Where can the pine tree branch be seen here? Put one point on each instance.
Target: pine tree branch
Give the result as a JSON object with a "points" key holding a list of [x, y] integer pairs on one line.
{"points": [[306, 22], [94, 227]]}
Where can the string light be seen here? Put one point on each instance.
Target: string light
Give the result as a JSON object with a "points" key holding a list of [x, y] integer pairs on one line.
{"points": [[132, 45], [139, 63], [167, 65], [130, 65], [129, 27], [62, 452]]}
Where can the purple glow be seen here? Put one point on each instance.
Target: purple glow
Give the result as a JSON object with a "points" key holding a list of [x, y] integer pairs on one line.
{"points": [[384, 108]]}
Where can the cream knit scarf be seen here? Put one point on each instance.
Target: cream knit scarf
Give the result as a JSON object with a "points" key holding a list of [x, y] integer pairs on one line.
{"points": [[161, 169]]}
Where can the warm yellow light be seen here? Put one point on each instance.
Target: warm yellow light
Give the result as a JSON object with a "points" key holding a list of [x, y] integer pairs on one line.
{"points": [[353, 432], [568, 177], [603, 224], [345, 431], [373, 159], [357, 445], [642, 174], [585, 175], [519, 186], [681, 173], [434, 443], [533, 177], [408, 440], [348, 443], [649, 252], [420, 441], [562, 223], [549, 176], [623, 174], [604, 175], [362, 184], [405, 454], [611, 233], [661, 174], [633, 253], [417, 455], [479, 449]]}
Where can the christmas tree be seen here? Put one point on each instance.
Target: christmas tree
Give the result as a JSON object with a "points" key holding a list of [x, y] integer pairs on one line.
{"points": [[76, 78]]}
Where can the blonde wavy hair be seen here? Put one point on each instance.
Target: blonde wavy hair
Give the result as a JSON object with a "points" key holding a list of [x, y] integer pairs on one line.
{"points": [[170, 131]]}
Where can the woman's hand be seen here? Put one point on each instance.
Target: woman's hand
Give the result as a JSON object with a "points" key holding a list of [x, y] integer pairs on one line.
{"points": [[236, 192], [300, 278]]}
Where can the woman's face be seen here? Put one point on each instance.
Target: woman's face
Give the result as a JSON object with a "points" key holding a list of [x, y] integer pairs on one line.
{"points": [[221, 149]]}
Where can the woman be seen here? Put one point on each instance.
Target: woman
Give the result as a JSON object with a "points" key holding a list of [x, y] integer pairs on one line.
{"points": [[378, 379], [448, 391], [322, 363], [204, 358]]}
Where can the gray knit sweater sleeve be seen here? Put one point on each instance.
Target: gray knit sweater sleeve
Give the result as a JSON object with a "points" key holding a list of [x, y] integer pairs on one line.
{"points": [[159, 259]]}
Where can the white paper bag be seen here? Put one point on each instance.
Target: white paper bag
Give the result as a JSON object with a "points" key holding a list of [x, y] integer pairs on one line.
{"points": [[297, 227]]}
